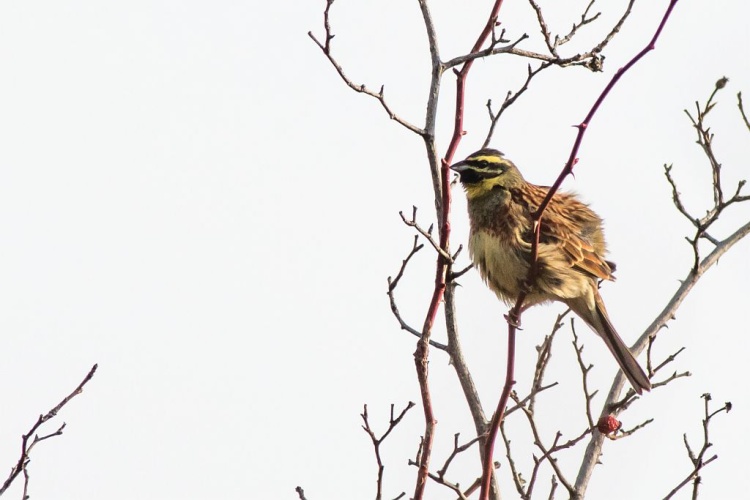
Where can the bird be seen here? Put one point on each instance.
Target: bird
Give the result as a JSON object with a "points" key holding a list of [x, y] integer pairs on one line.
{"points": [[571, 250]]}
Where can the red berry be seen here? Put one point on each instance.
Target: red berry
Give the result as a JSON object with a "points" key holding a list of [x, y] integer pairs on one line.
{"points": [[608, 424]]}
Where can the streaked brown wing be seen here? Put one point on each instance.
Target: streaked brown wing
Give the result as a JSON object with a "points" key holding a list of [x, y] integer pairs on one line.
{"points": [[572, 225], [583, 257]]}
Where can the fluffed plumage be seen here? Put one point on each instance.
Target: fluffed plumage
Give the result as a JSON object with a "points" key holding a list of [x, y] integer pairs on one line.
{"points": [[570, 253]]}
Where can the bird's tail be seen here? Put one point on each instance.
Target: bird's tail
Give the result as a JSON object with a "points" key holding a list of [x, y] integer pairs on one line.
{"points": [[598, 320]]}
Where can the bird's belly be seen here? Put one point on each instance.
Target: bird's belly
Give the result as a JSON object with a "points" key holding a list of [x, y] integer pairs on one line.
{"points": [[504, 268], [501, 266]]}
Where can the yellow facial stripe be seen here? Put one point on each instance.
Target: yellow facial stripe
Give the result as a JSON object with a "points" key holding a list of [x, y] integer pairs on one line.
{"points": [[482, 188], [488, 159]]}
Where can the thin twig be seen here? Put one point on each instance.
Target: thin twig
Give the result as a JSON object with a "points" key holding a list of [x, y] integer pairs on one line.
{"points": [[511, 98], [689, 477], [26, 447], [325, 47], [377, 441], [628, 432], [668, 360], [518, 481], [544, 354], [580, 24], [699, 461], [545, 30], [300, 492], [742, 110], [426, 234], [393, 283], [440, 476], [585, 369]]}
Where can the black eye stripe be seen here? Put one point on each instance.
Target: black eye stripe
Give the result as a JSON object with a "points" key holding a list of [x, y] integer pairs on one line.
{"points": [[472, 176]]}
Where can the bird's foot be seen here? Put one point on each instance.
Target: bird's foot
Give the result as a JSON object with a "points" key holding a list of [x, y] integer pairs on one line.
{"points": [[513, 319]]}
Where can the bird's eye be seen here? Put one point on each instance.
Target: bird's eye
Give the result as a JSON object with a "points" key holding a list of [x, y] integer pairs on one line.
{"points": [[484, 163]]}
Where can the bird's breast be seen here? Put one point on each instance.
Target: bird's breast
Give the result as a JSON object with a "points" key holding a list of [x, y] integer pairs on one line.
{"points": [[499, 263]]}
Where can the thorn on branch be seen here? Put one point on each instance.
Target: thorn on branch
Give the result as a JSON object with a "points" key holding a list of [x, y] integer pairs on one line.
{"points": [[457, 274]]}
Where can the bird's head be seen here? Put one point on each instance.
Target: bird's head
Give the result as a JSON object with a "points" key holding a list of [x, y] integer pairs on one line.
{"points": [[486, 170]]}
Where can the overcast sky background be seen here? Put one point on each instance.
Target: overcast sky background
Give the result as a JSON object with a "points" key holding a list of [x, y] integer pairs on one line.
{"points": [[190, 197]]}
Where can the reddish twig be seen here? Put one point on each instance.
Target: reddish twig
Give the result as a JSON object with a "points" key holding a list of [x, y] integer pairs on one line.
{"points": [[587, 121], [514, 315], [443, 264], [26, 447]]}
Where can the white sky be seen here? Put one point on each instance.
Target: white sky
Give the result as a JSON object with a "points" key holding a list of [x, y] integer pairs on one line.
{"points": [[191, 198]]}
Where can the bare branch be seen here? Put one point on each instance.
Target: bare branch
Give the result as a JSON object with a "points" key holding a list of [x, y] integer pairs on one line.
{"points": [[300, 492], [742, 110], [699, 461], [426, 234], [545, 30], [490, 51], [544, 354], [553, 488], [527, 400], [618, 26], [669, 379], [689, 477], [456, 450], [393, 283], [457, 274], [628, 432], [547, 453], [325, 47], [583, 22], [511, 98], [517, 479], [584, 374], [440, 476], [377, 441], [26, 447], [705, 138]]}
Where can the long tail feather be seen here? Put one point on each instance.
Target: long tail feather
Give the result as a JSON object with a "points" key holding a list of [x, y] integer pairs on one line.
{"points": [[599, 321]]}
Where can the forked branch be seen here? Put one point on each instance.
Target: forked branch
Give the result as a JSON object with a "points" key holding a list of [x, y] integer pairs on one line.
{"points": [[27, 443], [378, 441], [699, 460]]}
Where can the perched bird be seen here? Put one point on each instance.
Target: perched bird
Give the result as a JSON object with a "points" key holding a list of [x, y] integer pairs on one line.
{"points": [[570, 253]]}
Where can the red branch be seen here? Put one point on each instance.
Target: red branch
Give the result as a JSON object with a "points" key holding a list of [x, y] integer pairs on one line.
{"points": [[514, 316], [422, 352]]}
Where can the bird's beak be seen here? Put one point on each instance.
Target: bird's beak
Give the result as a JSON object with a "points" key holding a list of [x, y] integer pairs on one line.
{"points": [[459, 167]]}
